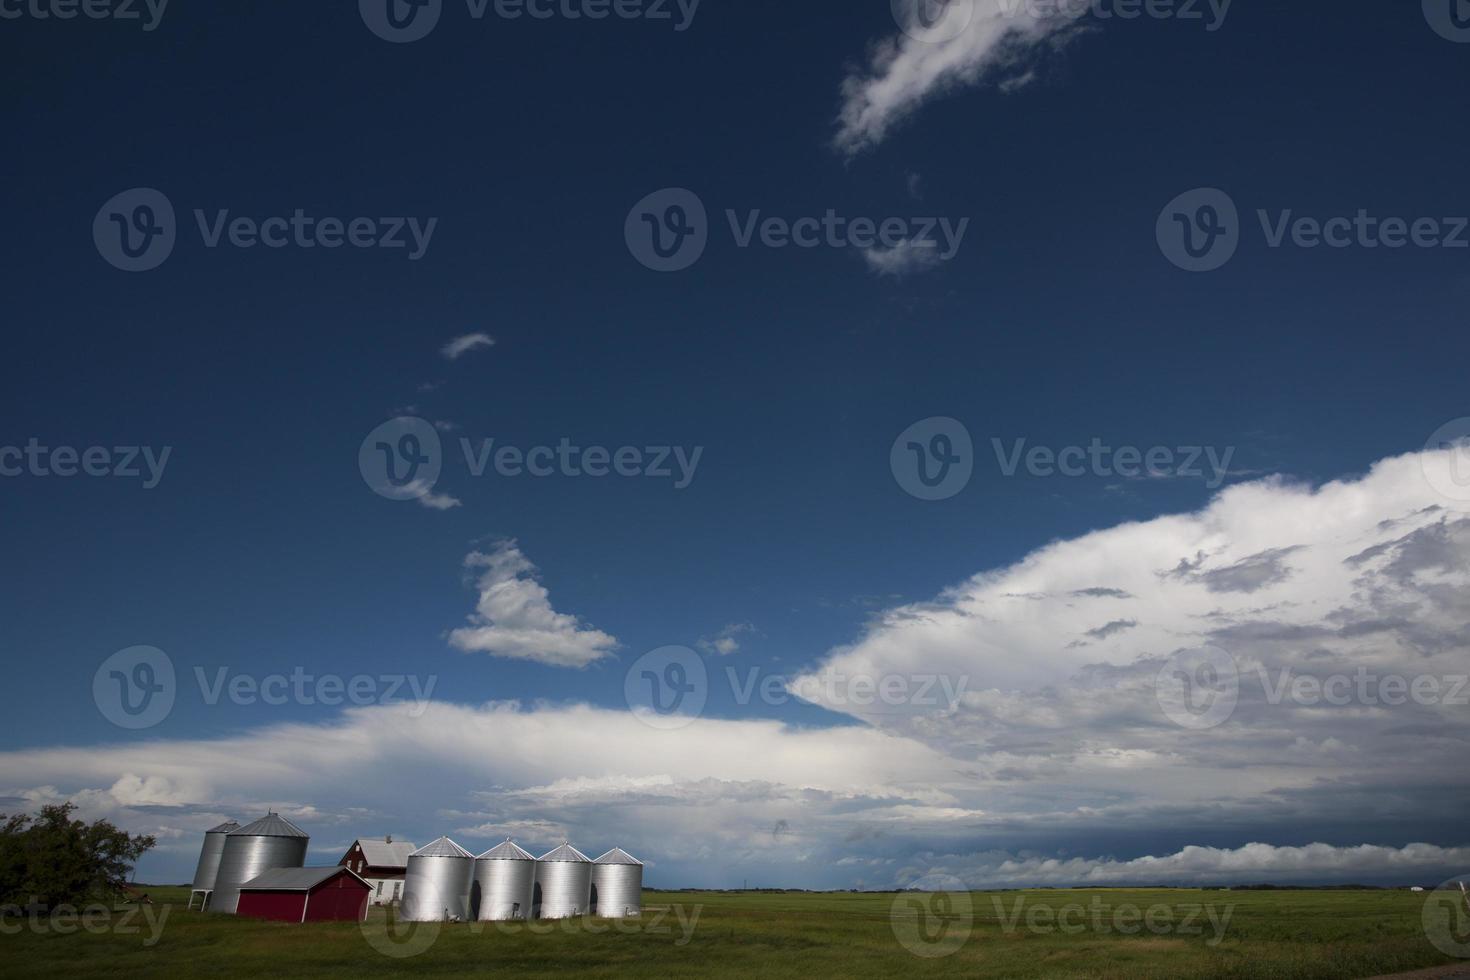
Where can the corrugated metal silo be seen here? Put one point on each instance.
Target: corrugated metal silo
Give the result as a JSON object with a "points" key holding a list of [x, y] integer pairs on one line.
{"points": [[617, 885], [564, 881], [209, 855], [504, 885], [270, 842], [436, 887]]}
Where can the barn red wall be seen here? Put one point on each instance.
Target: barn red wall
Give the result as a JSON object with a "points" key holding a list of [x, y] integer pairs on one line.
{"points": [[279, 906], [342, 899]]}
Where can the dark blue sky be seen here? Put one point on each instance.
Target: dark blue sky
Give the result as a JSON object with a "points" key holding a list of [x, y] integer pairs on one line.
{"points": [[1059, 320]]}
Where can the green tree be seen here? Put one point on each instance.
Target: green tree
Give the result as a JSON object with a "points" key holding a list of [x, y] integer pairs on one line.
{"points": [[52, 858]]}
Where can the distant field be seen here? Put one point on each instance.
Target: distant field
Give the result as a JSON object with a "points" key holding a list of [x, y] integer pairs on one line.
{"points": [[1041, 933]]}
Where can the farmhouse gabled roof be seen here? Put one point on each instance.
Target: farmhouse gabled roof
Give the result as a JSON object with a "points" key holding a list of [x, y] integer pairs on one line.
{"points": [[271, 825], [565, 852], [379, 853], [444, 848], [507, 851], [295, 879]]}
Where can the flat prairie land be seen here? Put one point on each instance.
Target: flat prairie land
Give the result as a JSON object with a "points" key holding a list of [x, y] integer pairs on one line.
{"points": [[1043, 933]]}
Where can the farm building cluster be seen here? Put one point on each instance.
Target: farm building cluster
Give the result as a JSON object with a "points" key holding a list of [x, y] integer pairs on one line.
{"points": [[259, 870]]}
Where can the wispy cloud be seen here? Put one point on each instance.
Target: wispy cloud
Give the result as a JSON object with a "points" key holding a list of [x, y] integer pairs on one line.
{"points": [[905, 258], [726, 641], [428, 498], [460, 346], [969, 43], [514, 618]]}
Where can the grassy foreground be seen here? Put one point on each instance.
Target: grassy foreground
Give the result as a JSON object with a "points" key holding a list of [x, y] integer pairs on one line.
{"points": [[1133, 933]]}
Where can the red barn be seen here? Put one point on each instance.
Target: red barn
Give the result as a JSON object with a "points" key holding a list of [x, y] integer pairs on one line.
{"points": [[334, 894]]}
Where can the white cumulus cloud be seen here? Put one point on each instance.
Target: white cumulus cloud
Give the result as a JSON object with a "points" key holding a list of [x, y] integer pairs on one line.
{"points": [[514, 617]]}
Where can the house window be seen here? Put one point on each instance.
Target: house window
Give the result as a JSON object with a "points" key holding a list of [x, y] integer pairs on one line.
{"points": [[380, 887]]}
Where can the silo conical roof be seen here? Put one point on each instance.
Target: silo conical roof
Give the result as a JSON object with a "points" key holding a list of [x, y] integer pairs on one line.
{"points": [[270, 825], [617, 856], [565, 852], [442, 848], [508, 851], [224, 828]]}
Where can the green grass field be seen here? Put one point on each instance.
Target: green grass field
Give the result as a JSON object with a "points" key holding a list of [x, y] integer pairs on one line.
{"points": [[1040, 933]]}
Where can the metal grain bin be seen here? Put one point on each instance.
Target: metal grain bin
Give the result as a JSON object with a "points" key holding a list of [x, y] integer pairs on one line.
{"points": [[563, 882], [617, 885], [209, 855], [270, 842], [504, 885], [436, 887]]}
